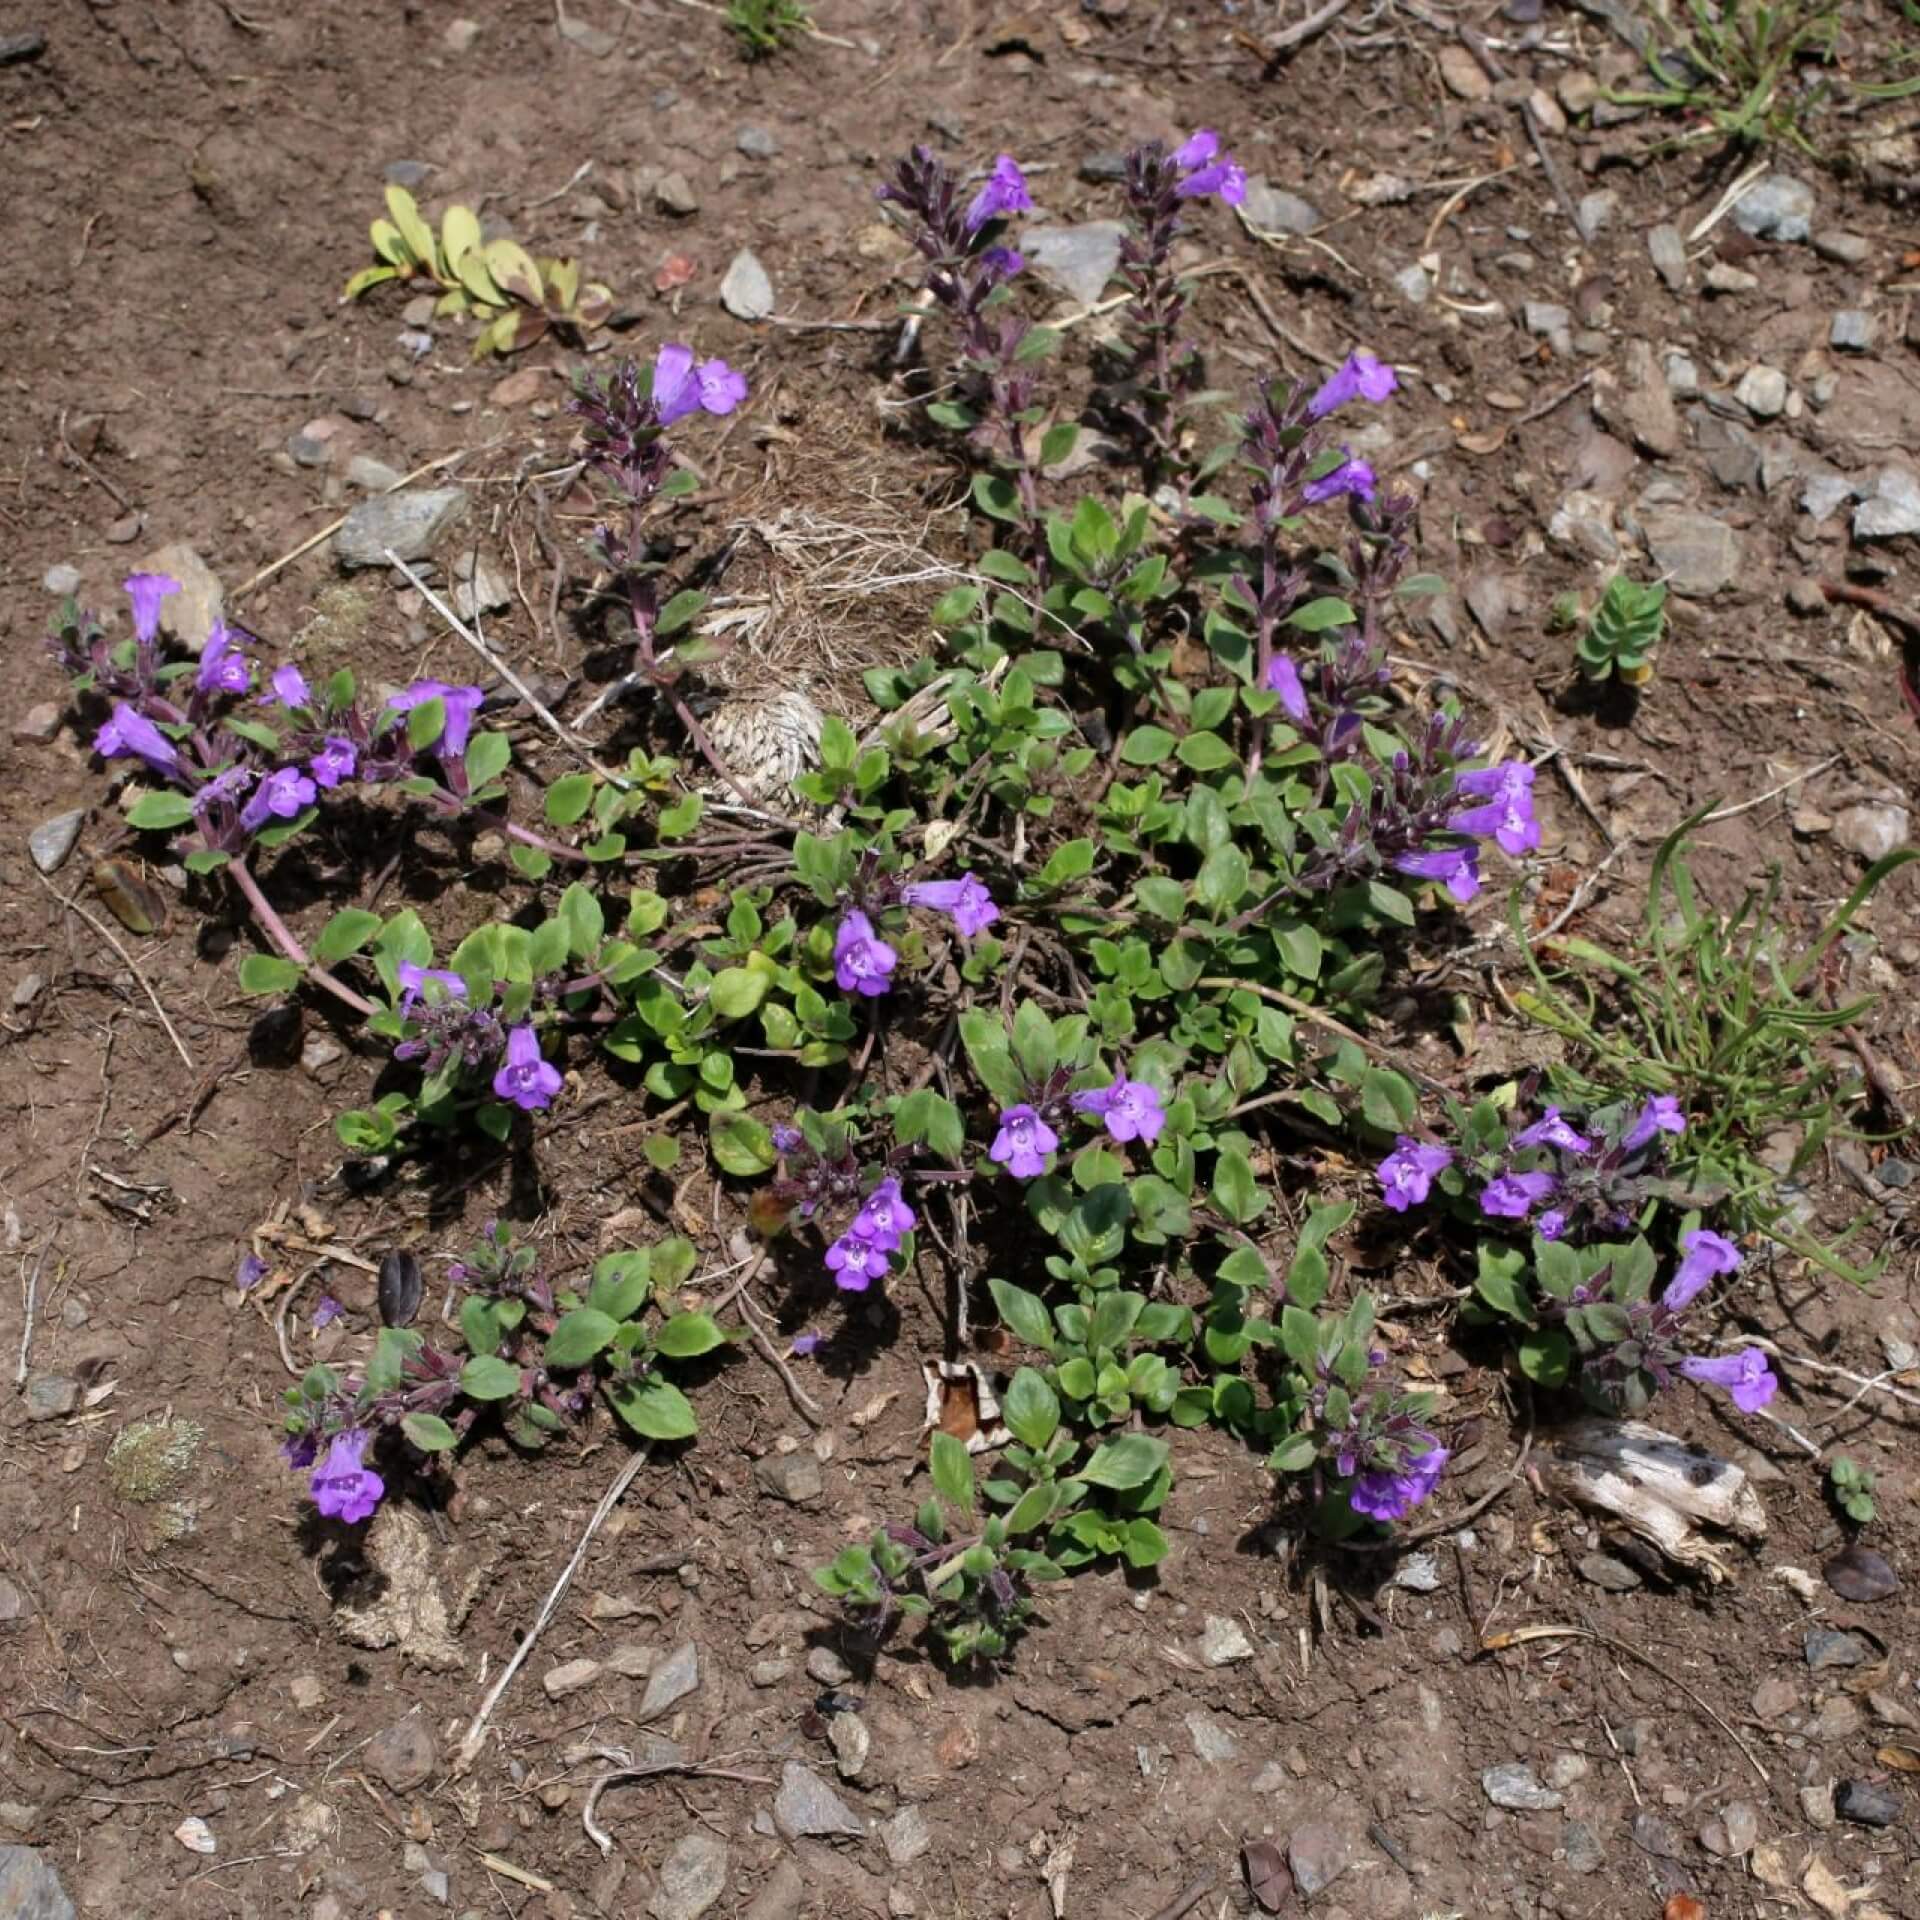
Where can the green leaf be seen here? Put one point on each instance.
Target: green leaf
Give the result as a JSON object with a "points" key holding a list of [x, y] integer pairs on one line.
{"points": [[205, 860], [1300, 1338], [268, 973], [740, 1143], [1235, 1190], [1144, 1545], [737, 991], [1206, 753], [1025, 1313], [426, 723], [429, 1433], [1146, 746], [578, 1336], [1010, 570], [996, 497], [160, 811], [1294, 1454], [347, 932], [586, 920], [1033, 1043], [687, 1334], [1546, 1358], [655, 1409], [1318, 615], [568, 798], [1058, 442], [1072, 860], [486, 1378], [1387, 1100], [621, 1283], [1031, 1409], [952, 1468], [678, 611], [487, 757], [1128, 1462]]}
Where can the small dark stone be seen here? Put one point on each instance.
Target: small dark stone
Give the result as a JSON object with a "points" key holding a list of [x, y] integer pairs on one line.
{"points": [[1102, 169], [1865, 1804], [18, 47], [407, 173], [1861, 1575], [793, 1477], [1652, 1835], [1825, 1648], [1585, 1854], [1612, 1576]]}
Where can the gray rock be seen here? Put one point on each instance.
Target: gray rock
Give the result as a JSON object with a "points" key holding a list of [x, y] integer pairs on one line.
{"points": [[435, 1884], [1078, 260], [1584, 1852], [1224, 1641], [1699, 553], [1602, 1570], [1415, 284], [806, 1805], [1724, 277], [769, 1673], [851, 1741], [1835, 243], [1776, 208], [793, 1477], [826, 1666], [407, 173], [1816, 1803], [188, 615], [1643, 403], [410, 523], [1733, 1830], [692, 1877], [1420, 1572], [1596, 210], [29, 1887], [672, 1680], [1762, 391], [756, 142], [632, 1661], [1567, 1769], [40, 723], [1825, 1648], [1866, 1804], [1683, 377], [1653, 1835], [17, 1817], [52, 840], [1583, 523], [460, 35], [1872, 832], [1805, 598], [672, 194], [569, 1677], [318, 1053], [51, 1396], [1109, 168], [1851, 331], [1734, 456], [1543, 318], [906, 1836], [14, 1604], [1318, 1855], [309, 449], [1211, 1741], [1668, 253], [28, 988], [1515, 1785], [746, 292], [403, 1755], [781, 1895], [1824, 492], [371, 475], [479, 585], [61, 580], [1893, 509], [1271, 209]]}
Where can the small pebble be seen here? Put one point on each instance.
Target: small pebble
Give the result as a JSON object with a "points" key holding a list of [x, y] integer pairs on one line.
{"points": [[1850, 249], [1851, 331], [52, 840], [1669, 255], [1415, 284], [1866, 1805], [570, 1678], [1826, 1648], [39, 724], [756, 142], [1515, 1785], [1725, 278], [1762, 391], [460, 35], [1224, 1641], [61, 580], [826, 1666], [1602, 1570], [1804, 597]]}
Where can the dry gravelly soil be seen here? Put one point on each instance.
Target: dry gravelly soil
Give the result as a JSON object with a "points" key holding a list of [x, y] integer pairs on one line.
{"points": [[188, 185]]}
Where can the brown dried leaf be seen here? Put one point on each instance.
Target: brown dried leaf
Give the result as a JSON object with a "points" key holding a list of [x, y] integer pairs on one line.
{"points": [[137, 906], [1901, 1759], [1267, 1877]]}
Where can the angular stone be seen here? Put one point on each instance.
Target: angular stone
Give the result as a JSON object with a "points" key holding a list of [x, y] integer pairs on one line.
{"points": [[1851, 331], [1420, 1572], [459, 35], [1699, 553], [479, 584], [1466, 79], [1224, 1641], [906, 1836], [403, 1755], [746, 292], [756, 143], [1610, 1575], [1893, 509], [371, 475], [1596, 210], [1414, 284], [1824, 492], [1515, 1785], [1644, 403], [793, 1477], [631, 1661], [1775, 1697], [30, 1889], [1762, 391], [826, 1666], [1078, 260], [570, 1677], [52, 840], [14, 1605], [40, 723], [675, 1677], [781, 1896], [518, 389], [1584, 1852], [1583, 523], [1271, 209], [692, 1877], [1865, 1804], [187, 616], [1825, 1648], [672, 194], [1668, 253], [1724, 277], [769, 1673], [1653, 1835], [1318, 1854], [1544, 318], [1211, 1741], [61, 580], [1872, 832], [1732, 1831], [851, 1741], [1776, 208], [806, 1805], [51, 1396], [411, 523]]}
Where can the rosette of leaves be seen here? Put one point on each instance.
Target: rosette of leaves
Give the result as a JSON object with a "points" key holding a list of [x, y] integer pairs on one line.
{"points": [[1623, 631], [518, 297]]}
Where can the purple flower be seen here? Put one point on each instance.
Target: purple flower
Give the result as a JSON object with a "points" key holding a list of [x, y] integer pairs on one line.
{"points": [[805, 1343], [1002, 263], [289, 688], [1359, 375], [885, 1218], [251, 1271], [785, 1139], [461, 704], [1131, 1109], [1705, 1255], [1456, 868], [1661, 1114], [1745, 1375], [1392, 1496], [335, 761], [681, 388], [1550, 1226], [1350, 476], [223, 790], [862, 961], [1515, 1195], [413, 981], [1406, 1175], [1283, 678], [1551, 1131], [966, 900], [300, 1450], [1023, 1143], [344, 1489], [1208, 170], [1004, 193], [129, 734], [326, 1310], [279, 796], [146, 591], [1506, 791], [223, 667], [527, 1079], [856, 1262]]}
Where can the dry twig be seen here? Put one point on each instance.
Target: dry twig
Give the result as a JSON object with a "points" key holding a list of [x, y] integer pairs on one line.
{"points": [[132, 966]]}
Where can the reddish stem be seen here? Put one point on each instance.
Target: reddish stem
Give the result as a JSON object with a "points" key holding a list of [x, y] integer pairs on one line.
{"points": [[283, 937]]}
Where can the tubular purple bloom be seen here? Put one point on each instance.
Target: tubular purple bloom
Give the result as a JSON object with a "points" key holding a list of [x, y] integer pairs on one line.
{"points": [[804, 1343], [223, 667], [1392, 1496], [681, 388], [785, 1139], [336, 761], [1552, 1131], [1283, 678], [856, 1262], [885, 1218], [1131, 1109], [1023, 1143], [1705, 1255], [1407, 1174], [326, 1310], [1550, 1226], [280, 796], [146, 591], [413, 981], [1359, 376], [343, 1488], [1350, 476], [966, 900], [1226, 177], [1745, 1375], [862, 961], [1456, 868], [1005, 192], [1506, 791], [129, 734], [1196, 150], [251, 1271], [528, 1079], [1661, 1114], [290, 688], [1004, 262], [1515, 1195]]}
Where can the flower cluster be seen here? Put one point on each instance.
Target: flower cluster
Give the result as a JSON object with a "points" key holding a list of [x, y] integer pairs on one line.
{"points": [[1028, 1136], [1374, 1441], [861, 1254], [863, 963]]}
